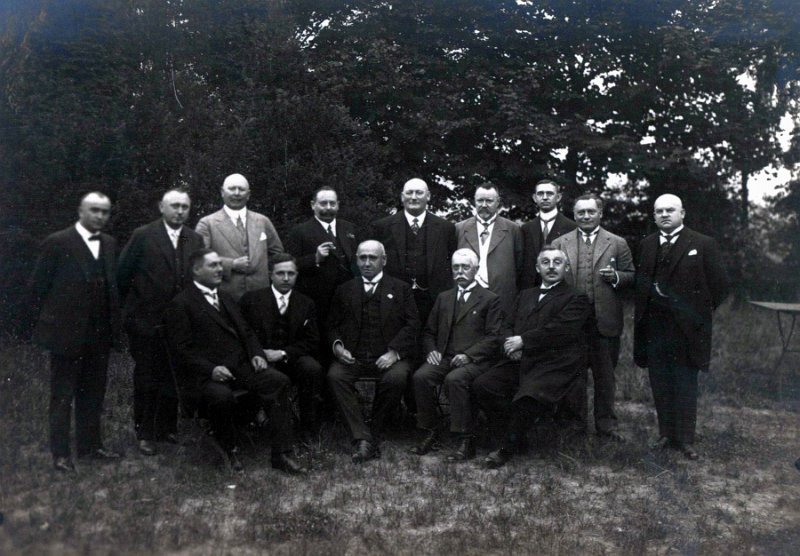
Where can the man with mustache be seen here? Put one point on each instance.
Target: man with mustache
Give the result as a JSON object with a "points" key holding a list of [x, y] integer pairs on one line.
{"points": [[680, 280], [545, 357], [461, 340], [498, 243]]}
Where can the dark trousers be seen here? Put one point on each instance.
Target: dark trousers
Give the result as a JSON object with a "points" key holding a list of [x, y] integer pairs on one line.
{"points": [[270, 386], [305, 372], [493, 392], [602, 358], [672, 378], [388, 391], [524, 413], [458, 388], [83, 379], [155, 403]]}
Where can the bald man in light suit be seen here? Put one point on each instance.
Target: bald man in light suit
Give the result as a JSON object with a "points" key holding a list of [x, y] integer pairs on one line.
{"points": [[243, 239]]}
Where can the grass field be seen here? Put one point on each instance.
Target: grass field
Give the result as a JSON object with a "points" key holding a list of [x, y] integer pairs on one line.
{"points": [[570, 496]]}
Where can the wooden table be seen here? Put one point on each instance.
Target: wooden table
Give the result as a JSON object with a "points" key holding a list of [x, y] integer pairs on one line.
{"points": [[791, 312]]}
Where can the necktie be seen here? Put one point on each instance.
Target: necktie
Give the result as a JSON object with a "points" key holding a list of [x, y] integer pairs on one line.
{"points": [[485, 232], [546, 228], [587, 239], [282, 304], [369, 288], [666, 245], [462, 296], [240, 227], [330, 231], [415, 225], [212, 296], [95, 237]]}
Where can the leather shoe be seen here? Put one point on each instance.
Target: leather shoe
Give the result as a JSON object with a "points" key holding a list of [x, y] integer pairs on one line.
{"points": [[365, 451], [498, 458], [662, 443], [286, 463], [147, 448], [430, 443], [64, 465], [103, 454], [611, 435], [465, 450], [688, 451]]}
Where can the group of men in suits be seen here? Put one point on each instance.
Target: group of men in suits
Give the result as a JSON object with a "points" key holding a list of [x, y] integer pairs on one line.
{"points": [[504, 318]]}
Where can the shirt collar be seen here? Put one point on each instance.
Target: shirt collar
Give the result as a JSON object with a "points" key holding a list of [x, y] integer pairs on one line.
{"points": [[489, 222], [325, 225], [674, 232], [173, 231], [469, 288], [420, 219], [278, 294], [85, 234], [375, 280], [590, 234], [235, 214], [548, 216], [548, 288], [203, 289]]}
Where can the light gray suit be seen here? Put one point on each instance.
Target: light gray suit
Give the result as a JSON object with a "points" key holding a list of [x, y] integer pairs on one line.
{"points": [[605, 325], [505, 256], [220, 234]]}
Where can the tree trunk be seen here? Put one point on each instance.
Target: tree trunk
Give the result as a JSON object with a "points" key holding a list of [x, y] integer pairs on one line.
{"points": [[745, 209]]}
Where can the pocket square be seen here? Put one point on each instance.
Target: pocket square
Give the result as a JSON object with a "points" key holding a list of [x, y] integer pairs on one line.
{"points": [[692, 252], [262, 237], [390, 296]]}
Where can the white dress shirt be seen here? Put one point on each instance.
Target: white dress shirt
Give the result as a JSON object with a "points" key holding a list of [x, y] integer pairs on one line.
{"points": [[93, 245], [420, 219], [173, 234], [205, 291], [483, 251], [234, 215], [674, 236], [278, 296], [325, 225], [544, 290]]}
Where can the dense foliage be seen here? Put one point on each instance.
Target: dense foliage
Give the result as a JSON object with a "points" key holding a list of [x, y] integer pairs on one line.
{"points": [[134, 96]]}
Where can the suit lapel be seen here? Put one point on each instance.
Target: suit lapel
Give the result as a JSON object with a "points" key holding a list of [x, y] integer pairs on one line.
{"points": [[431, 238], [108, 258], [200, 301], [498, 234], [165, 244], [681, 246], [471, 234], [399, 234], [448, 317], [229, 231], [473, 300], [292, 313], [570, 243], [355, 298], [342, 231], [601, 243], [549, 297], [82, 253]]}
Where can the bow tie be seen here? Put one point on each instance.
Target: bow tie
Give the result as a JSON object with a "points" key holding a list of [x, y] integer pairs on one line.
{"points": [[95, 237]]}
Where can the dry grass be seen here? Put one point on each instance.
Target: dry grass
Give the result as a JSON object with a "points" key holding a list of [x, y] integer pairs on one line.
{"points": [[570, 496]]}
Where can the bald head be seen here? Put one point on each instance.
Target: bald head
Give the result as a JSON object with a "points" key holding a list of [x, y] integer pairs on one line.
{"points": [[94, 210], [235, 191], [669, 213], [174, 207], [415, 196]]}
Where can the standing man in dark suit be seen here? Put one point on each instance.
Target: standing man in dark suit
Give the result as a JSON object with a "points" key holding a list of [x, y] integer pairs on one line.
{"points": [[546, 357], [285, 323], [542, 230], [418, 246], [461, 339], [679, 282], [244, 240], [325, 249], [601, 267], [213, 342], [498, 243], [373, 331], [154, 268], [74, 293]]}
